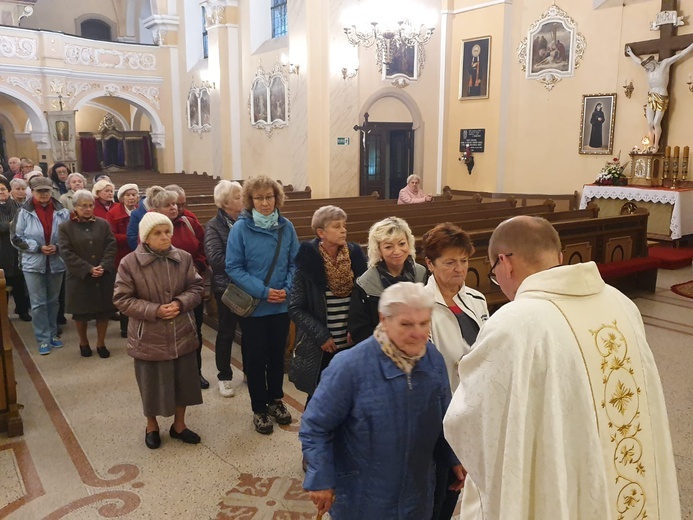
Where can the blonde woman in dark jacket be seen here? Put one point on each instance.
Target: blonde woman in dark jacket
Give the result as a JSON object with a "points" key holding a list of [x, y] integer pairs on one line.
{"points": [[157, 287]]}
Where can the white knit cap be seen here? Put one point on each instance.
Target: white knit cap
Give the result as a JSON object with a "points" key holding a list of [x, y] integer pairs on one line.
{"points": [[150, 220], [126, 187]]}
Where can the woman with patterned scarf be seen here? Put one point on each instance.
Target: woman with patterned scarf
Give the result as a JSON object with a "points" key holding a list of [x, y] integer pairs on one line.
{"points": [[391, 256], [374, 427], [326, 268], [88, 248]]}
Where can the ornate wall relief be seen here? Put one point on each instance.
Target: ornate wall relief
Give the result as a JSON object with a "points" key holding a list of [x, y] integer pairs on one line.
{"points": [[110, 58], [15, 47]]}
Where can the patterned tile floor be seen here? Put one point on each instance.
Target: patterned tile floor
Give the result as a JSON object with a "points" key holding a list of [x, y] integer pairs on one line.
{"points": [[82, 455]]}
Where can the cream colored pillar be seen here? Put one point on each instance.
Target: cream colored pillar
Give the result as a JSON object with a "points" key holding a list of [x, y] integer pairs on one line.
{"points": [[317, 76], [169, 145], [224, 69]]}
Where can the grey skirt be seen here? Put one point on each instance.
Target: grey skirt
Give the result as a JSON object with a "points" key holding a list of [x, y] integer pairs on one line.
{"points": [[164, 385]]}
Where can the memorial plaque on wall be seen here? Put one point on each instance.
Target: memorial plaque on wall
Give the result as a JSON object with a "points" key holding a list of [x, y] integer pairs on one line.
{"points": [[475, 138]]}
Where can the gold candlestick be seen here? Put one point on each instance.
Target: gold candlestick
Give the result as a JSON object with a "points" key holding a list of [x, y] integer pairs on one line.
{"points": [[675, 167], [666, 162], [684, 163]]}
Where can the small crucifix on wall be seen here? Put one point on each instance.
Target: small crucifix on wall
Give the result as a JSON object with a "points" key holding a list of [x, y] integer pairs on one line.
{"points": [[666, 47]]}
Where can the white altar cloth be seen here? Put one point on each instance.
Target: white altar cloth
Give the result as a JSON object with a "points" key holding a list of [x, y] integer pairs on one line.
{"points": [[681, 199]]}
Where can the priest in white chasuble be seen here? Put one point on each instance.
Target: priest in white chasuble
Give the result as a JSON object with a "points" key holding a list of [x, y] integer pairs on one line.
{"points": [[560, 414]]}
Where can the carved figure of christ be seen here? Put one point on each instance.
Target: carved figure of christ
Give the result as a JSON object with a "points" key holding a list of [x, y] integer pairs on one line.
{"points": [[666, 47]]}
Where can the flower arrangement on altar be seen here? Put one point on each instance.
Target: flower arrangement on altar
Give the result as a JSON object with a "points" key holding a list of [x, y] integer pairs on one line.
{"points": [[612, 174]]}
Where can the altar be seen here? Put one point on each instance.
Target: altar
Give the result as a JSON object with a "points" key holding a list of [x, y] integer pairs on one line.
{"points": [[671, 211]]}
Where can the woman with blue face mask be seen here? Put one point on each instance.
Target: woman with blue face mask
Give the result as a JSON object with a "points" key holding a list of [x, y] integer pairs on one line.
{"points": [[251, 248]]}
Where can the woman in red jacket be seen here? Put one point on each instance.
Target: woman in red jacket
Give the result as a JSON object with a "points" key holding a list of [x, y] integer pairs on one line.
{"points": [[189, 236], [103, 191], [119, 218]]}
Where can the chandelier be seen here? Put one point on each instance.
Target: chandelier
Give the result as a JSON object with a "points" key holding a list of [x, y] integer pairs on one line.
{"points": [[388, 39]]}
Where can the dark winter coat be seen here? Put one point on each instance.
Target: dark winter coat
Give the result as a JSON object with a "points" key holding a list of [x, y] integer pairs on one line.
{"points": [[147, 280], [363, 308], [373, 433], [308, 310], [9, 256], [84, 245], [216, 239]]}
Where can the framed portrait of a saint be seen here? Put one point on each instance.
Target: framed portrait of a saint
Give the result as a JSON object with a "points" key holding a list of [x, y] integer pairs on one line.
{"points": [[597, 123], [475, 63]]}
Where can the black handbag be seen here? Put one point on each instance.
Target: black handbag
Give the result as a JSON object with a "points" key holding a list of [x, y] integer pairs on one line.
{"points": [[239, 301]]}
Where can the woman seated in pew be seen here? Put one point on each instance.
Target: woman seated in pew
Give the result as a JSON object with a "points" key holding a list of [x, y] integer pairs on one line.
{"points": [[326, 268], [457, 317], [391, 256], [412, 192]]}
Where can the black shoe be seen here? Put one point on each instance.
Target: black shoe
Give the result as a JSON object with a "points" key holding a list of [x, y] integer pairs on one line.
{"points": [[25, 316], [62, 320], [103, 352], [278, 410], [59, 331], [85, 351], [263, 424], [152, 439], [204, 384], [187, 436]]}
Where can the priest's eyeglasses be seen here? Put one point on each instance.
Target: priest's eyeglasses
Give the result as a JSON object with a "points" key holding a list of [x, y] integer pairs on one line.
{"points": [[491, 274]]}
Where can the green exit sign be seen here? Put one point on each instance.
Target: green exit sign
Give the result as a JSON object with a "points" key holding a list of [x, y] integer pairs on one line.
{"points": [[343, 141]]}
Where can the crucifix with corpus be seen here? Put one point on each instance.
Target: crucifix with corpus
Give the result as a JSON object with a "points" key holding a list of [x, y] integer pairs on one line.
{"points": [[666, 46]]}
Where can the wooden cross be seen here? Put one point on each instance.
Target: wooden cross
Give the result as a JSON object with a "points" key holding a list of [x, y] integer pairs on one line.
{"points": [[668, 44]]}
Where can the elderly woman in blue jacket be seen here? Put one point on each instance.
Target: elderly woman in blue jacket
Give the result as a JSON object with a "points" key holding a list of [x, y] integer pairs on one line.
{"points": [[34, 233], [252, 244], [373, 431]]}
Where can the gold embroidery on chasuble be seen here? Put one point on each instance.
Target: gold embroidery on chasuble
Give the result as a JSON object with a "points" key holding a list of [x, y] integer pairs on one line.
{"points": [[615, 373]]}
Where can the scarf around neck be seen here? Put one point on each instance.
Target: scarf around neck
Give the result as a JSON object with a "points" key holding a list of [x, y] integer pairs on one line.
{"points": [[265, 221], [340, 277], [74, 217], [404, 362]]}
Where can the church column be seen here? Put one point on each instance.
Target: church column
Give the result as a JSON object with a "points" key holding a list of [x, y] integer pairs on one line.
{"points": [[317, 90], [224, 69], [170, 154]]}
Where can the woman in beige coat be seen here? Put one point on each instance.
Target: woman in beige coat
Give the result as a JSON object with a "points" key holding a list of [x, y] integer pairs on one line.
{"points": [[157, 288]]}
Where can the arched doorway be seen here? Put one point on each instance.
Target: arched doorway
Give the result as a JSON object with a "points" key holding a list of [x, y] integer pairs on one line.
{"points": [[23, 129], [391, 138]]}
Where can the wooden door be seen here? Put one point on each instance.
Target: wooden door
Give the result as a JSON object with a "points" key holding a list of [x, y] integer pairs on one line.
{"points": [[387, 158]]}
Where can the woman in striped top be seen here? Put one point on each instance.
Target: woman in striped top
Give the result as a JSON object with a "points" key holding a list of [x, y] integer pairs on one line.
{"points": [[319, 301]]}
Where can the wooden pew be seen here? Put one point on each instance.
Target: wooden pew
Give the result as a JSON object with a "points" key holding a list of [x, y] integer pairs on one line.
{"points": [[567, 201], [358, 230], [10, 420]]}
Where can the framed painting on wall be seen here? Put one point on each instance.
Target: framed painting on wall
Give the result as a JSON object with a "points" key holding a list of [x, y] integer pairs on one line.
{"points": [[552, 49], [597, 121], [269, 101], [404, 63], [474, 68]]}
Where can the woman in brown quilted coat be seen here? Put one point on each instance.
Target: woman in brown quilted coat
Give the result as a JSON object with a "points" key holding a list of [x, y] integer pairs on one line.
{"points": [[157, 287]]}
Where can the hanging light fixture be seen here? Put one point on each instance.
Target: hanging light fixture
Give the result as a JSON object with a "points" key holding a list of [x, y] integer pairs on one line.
{"points": [[387, 39]]}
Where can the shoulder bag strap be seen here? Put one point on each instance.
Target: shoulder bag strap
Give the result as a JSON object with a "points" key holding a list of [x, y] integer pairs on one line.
{"points": [[276, 255], [187, 223]]}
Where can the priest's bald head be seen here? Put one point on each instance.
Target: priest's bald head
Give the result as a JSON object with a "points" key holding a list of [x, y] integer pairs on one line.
{"points": [[519, 247]]}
